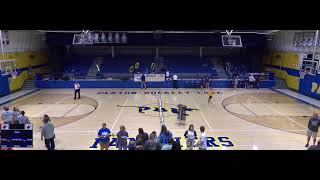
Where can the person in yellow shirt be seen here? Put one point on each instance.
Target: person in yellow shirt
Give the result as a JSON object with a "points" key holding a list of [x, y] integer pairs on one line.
{"points": [[210, 93]]}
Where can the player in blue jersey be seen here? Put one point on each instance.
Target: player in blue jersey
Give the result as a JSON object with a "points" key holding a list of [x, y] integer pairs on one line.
{"points": [[104, 137]]}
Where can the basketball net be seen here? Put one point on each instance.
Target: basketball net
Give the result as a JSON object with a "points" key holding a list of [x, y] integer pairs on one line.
{"points": [[231, 41]]}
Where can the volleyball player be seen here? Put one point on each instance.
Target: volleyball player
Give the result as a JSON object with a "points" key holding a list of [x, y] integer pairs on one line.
{"points": [[210, 93]]}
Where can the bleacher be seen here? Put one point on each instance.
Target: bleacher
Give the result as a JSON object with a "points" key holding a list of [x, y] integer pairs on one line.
{"points": [[118, 68], [122, 65], [78, 66], [235, 68], [190, 66]]}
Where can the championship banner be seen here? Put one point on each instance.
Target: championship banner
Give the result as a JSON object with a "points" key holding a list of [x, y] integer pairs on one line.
{"points": [[155, 77], [150, 77], [137, 77], [92, 37]]}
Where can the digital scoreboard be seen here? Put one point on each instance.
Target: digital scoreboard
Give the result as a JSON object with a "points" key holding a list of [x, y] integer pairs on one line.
{"points": [[16, 136]]}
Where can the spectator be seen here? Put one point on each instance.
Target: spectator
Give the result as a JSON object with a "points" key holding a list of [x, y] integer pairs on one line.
{"points": [[132, 145], [122, 136], [47, 132], [175, 81], [23, 119], [168, 146], [139, 144], [15, 114], [315, 147], [144, 136], [313, 127], [152, 143], [190, 136], [104, 137], [176, 145], [202, 143], [164, 135], [6, 115]]}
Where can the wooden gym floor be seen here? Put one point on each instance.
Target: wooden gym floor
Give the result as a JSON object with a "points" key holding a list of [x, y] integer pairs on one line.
{"points": [[237, 119]]}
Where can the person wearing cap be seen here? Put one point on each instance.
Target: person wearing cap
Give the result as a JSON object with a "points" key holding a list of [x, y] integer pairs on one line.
{"points": [[6, 115]]}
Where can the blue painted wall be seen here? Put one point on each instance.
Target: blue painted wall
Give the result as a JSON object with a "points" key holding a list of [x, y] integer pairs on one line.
{"points": [[309, 86], [132, 84], [4, 86]]}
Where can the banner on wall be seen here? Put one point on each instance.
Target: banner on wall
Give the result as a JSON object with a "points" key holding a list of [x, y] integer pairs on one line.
{"points": [[90, 38], [150, 77], [4, 88]]}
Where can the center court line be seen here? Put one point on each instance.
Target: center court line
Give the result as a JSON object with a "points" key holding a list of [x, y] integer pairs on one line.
{"points": [[195, 103], [119, 113], [279, 112], [49, 107]]}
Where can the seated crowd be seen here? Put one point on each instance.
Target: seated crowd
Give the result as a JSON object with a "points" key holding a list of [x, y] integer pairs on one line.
{"points": [[144, 141]]}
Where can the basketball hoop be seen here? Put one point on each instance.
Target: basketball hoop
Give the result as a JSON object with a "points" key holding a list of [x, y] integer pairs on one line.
{"points": [[302, 74], [14, 74], [231, 41]]}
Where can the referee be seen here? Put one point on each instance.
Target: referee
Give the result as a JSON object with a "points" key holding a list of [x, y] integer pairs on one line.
{"points": [[76, 90]]}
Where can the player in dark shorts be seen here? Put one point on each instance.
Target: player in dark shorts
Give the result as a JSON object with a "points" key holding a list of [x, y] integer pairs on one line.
{"points": [[313, 127]]}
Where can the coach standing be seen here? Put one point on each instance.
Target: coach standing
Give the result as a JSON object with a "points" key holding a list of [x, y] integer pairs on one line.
{"points": [[76, 90]]}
